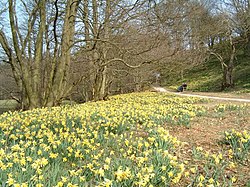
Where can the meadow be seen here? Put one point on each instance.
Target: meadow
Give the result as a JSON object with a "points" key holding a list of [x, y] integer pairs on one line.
{"points": [[123, 142]]}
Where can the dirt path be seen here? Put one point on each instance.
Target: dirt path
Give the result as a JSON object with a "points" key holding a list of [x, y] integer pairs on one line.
{"points": [[160, 89]]}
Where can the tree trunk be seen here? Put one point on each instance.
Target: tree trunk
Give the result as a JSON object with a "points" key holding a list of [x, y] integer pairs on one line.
{"points": [[29, 69], [36, 94], [247, 47], [182, 76], [228, 80], [60, 80], [100, 84], [99, 89], [90, 52], [39, 88]]}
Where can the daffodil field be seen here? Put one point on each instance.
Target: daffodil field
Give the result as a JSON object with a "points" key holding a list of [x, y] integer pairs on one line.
{"points": [[122, 142]]}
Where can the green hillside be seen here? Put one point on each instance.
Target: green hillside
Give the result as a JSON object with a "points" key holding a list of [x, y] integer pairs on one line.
{"points": [[208, 76]]}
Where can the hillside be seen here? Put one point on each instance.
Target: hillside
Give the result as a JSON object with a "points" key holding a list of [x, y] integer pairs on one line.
{"points": [[207, 77], [131, 140]]}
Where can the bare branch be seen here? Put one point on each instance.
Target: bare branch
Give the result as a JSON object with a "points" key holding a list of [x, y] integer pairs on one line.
{"points": [[4, 43], [127, 64]]}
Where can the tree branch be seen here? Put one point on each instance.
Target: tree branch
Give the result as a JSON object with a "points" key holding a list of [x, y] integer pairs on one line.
{"points": [[4, 44], [126, 64]]}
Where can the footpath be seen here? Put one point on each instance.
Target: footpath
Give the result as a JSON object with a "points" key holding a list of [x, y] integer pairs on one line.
{"points": [[160, 89]]}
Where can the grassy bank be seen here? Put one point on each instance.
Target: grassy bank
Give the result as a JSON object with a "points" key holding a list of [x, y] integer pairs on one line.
{"points": [[207, 77]]}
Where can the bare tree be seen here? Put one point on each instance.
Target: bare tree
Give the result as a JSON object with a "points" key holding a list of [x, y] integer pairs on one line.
{"points": [[112, 39], [239, 12], [210, 32], [25, 51]]}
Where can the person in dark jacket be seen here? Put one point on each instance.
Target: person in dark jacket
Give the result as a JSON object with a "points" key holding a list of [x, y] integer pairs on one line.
{"points": [[182, 87]]}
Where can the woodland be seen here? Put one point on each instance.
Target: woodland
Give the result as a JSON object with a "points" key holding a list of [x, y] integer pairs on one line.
{"points": [[86, 50]]}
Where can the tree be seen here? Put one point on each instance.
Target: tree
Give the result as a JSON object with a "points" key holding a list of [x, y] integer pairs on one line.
{"points": [[113, 41], [182, 23], [240, 17], [225, 52], [212, 32], [39, 85]]}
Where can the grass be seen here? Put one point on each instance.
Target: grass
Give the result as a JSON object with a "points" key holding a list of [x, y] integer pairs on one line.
{"points": [[11, 105], [6, 105], [207, 77], [139, 139]]}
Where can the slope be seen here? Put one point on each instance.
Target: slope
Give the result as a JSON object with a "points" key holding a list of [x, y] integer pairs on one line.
{"points": [[207, 77]]}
